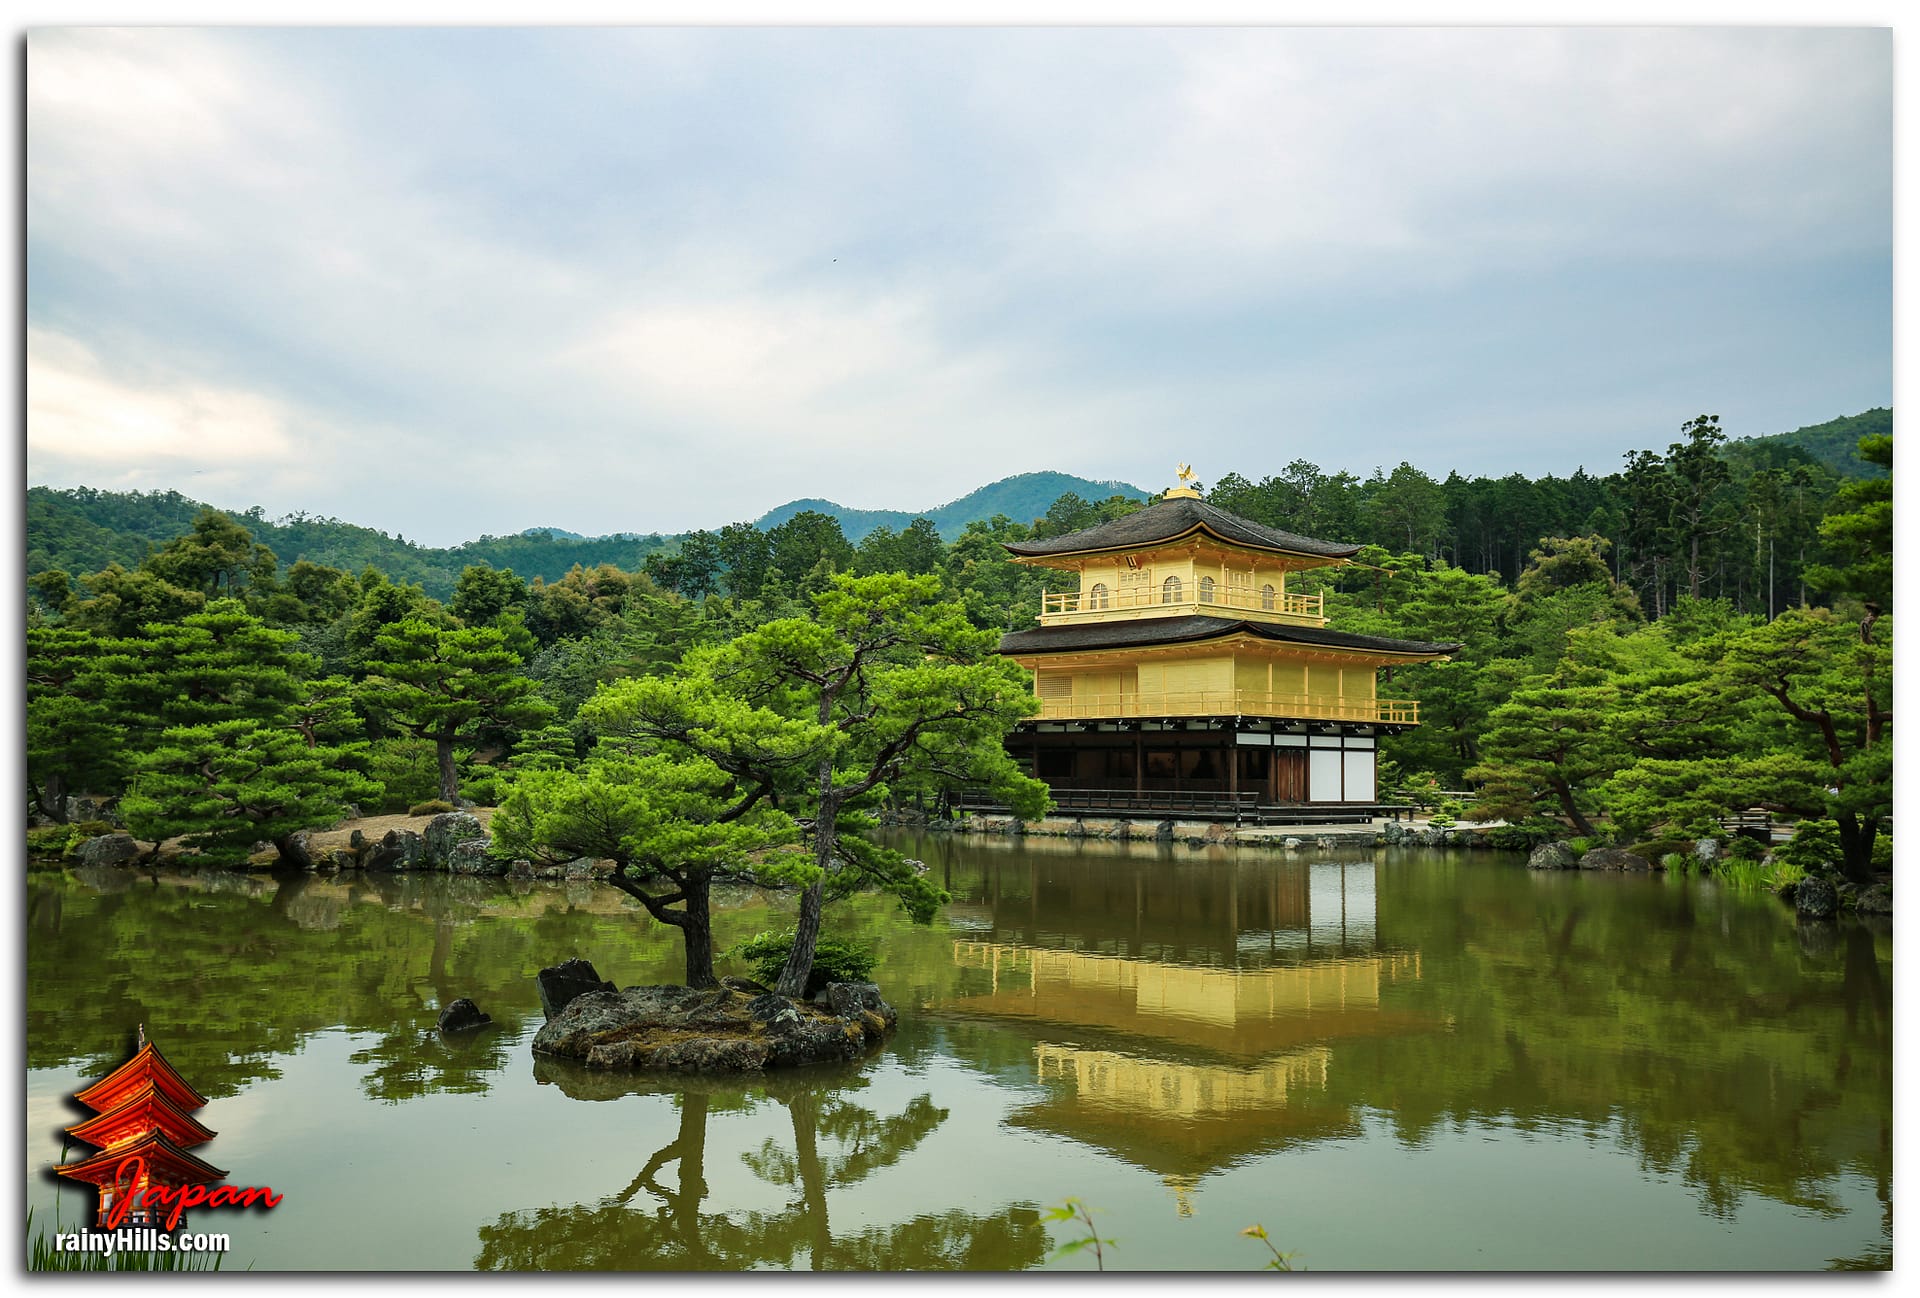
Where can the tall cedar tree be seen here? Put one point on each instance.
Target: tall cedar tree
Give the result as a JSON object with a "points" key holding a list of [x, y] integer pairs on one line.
{"points": [[448, 685]]}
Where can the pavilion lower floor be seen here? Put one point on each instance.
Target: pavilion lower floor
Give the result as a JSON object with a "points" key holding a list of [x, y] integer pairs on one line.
{"points": [[1275, 761]]}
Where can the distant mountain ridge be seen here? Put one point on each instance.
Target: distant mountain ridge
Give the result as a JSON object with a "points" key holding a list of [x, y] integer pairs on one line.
{"points": [[1023, 498], [83, 529]]}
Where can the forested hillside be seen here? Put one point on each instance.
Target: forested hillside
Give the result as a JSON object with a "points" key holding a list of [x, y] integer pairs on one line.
{"points": [[1834, 443], [84, 530], [1706, 631]]}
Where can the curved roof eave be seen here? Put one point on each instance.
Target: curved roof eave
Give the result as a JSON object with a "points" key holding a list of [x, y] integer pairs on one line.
{"points": [[1173, 520]]}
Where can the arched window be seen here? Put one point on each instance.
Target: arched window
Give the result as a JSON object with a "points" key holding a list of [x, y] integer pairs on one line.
{"points": [[1267, 596], [1206, 590], [1170, 591], [1097, 597]]}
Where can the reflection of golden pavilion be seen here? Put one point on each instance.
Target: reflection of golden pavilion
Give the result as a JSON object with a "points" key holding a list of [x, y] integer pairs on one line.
{"points": [[1236, 1012], [1191, 1068], [1167, 1089]]}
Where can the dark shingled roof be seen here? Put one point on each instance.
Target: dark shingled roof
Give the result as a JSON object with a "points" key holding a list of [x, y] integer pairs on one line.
{"points": [[1179, 630], [1177, 517]]}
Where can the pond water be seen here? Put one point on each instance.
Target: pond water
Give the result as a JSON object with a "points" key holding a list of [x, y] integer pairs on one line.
{"points": [[1396, 1060]]}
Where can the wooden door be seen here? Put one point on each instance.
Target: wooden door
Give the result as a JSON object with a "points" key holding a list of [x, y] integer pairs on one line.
{"points": [[1289, 775]]}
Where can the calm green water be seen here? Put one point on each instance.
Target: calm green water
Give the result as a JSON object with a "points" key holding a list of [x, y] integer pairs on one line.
{"points": [[1410, 1060]]}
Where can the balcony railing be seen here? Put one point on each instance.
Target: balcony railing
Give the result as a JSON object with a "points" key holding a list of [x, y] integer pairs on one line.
{"points": [[1076, 604], [1218, 703]]}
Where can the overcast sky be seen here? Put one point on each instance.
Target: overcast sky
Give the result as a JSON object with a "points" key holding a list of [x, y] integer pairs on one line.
{"points": [[449, 283]]}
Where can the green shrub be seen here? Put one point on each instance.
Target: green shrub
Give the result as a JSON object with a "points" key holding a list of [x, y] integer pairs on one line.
{"points": [[482, 785], [1521, 838], [408, 770], [1745, 849], [434, 807], [1657, 848], [55, 841], [1883, 851], [1814, 848], [1678, 862], [834, 960], [1581, 846], [50, 840]]}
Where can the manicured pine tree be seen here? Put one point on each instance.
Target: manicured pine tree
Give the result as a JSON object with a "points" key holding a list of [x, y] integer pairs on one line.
{"points": [[224, 786], [75, 740], [1547, 746], [881, 689], [908, 690], [222, 664], [449, 685]]}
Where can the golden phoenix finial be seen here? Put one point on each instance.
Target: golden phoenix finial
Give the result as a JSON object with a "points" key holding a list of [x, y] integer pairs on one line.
{"points": [[1186, 473]]}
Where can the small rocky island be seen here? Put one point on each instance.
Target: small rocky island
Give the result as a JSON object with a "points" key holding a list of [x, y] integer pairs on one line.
{"points": [[738, 1026]]}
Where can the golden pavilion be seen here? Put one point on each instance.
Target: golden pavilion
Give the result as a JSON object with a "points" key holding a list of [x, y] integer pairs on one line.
{"points": [[1183, 673]]}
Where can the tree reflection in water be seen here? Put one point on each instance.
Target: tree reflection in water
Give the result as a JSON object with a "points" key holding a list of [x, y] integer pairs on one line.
{"points": [[656, 1221]]}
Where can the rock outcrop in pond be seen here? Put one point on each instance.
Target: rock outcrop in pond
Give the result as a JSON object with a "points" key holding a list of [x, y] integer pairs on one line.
{"points": [[561, 984], [1553, 856], [463, 1016], [1613, 858], [108, 849], [716, 1029]]}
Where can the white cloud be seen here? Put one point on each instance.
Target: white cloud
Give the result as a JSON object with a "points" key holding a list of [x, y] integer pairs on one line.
{"points": [[80, 413]]}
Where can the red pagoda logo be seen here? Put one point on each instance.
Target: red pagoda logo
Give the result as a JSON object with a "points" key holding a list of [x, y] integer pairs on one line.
{"points": [[143, 1126]]}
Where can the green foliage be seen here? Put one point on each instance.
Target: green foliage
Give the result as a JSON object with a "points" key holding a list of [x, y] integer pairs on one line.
{"points": [[1677, 862], [1834, 443], [1748, 874], [75, 737], [481, 783], [483, 594], [406, 771], [834, 959], [84, 530], [431, 807], [51, 842], [1660, 848], [1858, 534], [222, 787], [1279, 1261], [450, 685], [1521, 838], [1075, 1210], [672, 825], [1814, 848]]}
